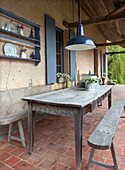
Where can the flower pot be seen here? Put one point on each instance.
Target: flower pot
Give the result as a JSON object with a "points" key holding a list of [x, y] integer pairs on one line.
{"points": [[88, 86], [20, 31], [60, 80], [23, 55]]}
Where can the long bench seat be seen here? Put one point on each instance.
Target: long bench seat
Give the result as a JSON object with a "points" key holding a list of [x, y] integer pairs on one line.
{"points": [[102, 137]]}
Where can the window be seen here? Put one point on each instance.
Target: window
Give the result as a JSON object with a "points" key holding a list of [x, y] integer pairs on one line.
{"points": [[59, 50], [54, 52]]}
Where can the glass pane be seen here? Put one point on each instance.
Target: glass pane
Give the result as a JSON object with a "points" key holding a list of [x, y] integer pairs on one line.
{"points": [[58, 69], [58, 59], [58, 47], [58, 36]]}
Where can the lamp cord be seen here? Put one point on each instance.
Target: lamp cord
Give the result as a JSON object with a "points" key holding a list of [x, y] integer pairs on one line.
{"points": [[79, 12], [73, 9]]}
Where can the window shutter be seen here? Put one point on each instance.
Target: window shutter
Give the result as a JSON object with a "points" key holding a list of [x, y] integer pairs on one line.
{"points": [[50, 49], [72, 59]]}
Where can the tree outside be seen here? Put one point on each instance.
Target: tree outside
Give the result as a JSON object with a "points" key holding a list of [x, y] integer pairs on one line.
{"points": [[116, 64]]}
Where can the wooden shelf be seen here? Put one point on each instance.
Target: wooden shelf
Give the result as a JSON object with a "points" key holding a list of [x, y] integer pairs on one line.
{"points": [[13, 36], [15, 39], [18, 35], [18, 58]]}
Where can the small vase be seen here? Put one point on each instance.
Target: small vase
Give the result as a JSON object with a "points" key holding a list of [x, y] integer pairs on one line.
{"points": [[103, 81], [21, 31], [23, 55]]}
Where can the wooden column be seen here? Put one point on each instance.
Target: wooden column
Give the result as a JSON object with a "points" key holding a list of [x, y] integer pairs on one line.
{"points": [[101, 53], [96, 62], [105, 64]]}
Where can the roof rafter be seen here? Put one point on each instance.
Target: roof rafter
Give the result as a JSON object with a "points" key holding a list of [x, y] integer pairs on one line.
{"points": [[109, 44], [118, 52], [117, 11], [97, 21]]}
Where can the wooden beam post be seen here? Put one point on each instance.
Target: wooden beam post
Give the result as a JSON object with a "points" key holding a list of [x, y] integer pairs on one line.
{"points": [[117, 11], [118, 52], [109, 44], [99, 20]]}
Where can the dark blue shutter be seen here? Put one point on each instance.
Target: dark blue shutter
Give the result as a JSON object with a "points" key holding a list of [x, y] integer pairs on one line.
{"points": [[72, 59], [50, 49], [101, 63]]}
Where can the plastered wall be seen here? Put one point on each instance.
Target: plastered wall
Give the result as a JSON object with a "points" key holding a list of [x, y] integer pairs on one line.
{"points": [[17, 74]]}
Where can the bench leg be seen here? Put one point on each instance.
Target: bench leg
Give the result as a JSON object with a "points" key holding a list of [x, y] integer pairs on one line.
{"points": [[21, 133], [110, 100], [90, 158], [114, 157], [21, 139], [10, 132]]}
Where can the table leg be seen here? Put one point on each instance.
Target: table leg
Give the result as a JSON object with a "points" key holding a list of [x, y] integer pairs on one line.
{"points": [[110, 100], [31, 127], [78, 121]]}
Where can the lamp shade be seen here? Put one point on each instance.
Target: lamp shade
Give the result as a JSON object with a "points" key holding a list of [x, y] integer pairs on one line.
{"points": [[80, 42]]}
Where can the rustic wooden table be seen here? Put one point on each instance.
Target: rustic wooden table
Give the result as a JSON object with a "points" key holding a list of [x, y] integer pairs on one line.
{"points": [[72, 102]]}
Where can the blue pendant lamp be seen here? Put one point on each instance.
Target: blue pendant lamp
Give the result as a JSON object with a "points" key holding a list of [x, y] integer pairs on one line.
{"points": [[80, 42]]}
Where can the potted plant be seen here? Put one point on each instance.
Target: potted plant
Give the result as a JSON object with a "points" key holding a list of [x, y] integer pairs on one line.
{"points": [[103, 78], [60, 78], [67, 78], [63, 77], [110, 75], [99, 80], [89, 82], [23, 52], [20, 29]]}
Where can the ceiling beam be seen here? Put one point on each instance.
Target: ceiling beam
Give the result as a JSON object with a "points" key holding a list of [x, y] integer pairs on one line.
{"points": [[119, 52], [97, 21], [109, 44], [117, 11]]}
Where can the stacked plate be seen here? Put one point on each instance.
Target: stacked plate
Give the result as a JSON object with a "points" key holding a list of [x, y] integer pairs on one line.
{"points": [[10, 49]]}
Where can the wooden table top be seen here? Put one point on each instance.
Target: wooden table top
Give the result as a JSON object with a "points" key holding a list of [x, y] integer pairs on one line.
{"points": [[70, 97]]}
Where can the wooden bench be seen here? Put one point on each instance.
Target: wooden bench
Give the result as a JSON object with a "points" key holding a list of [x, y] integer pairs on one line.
{"points": [[17, 117], [102, 137]]}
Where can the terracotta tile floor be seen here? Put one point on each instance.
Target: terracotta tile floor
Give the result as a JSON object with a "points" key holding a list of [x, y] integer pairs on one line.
{"points": [[54, 143]]}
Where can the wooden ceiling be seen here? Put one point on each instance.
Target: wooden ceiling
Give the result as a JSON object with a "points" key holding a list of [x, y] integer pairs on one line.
{"points": [[112, 30]]}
